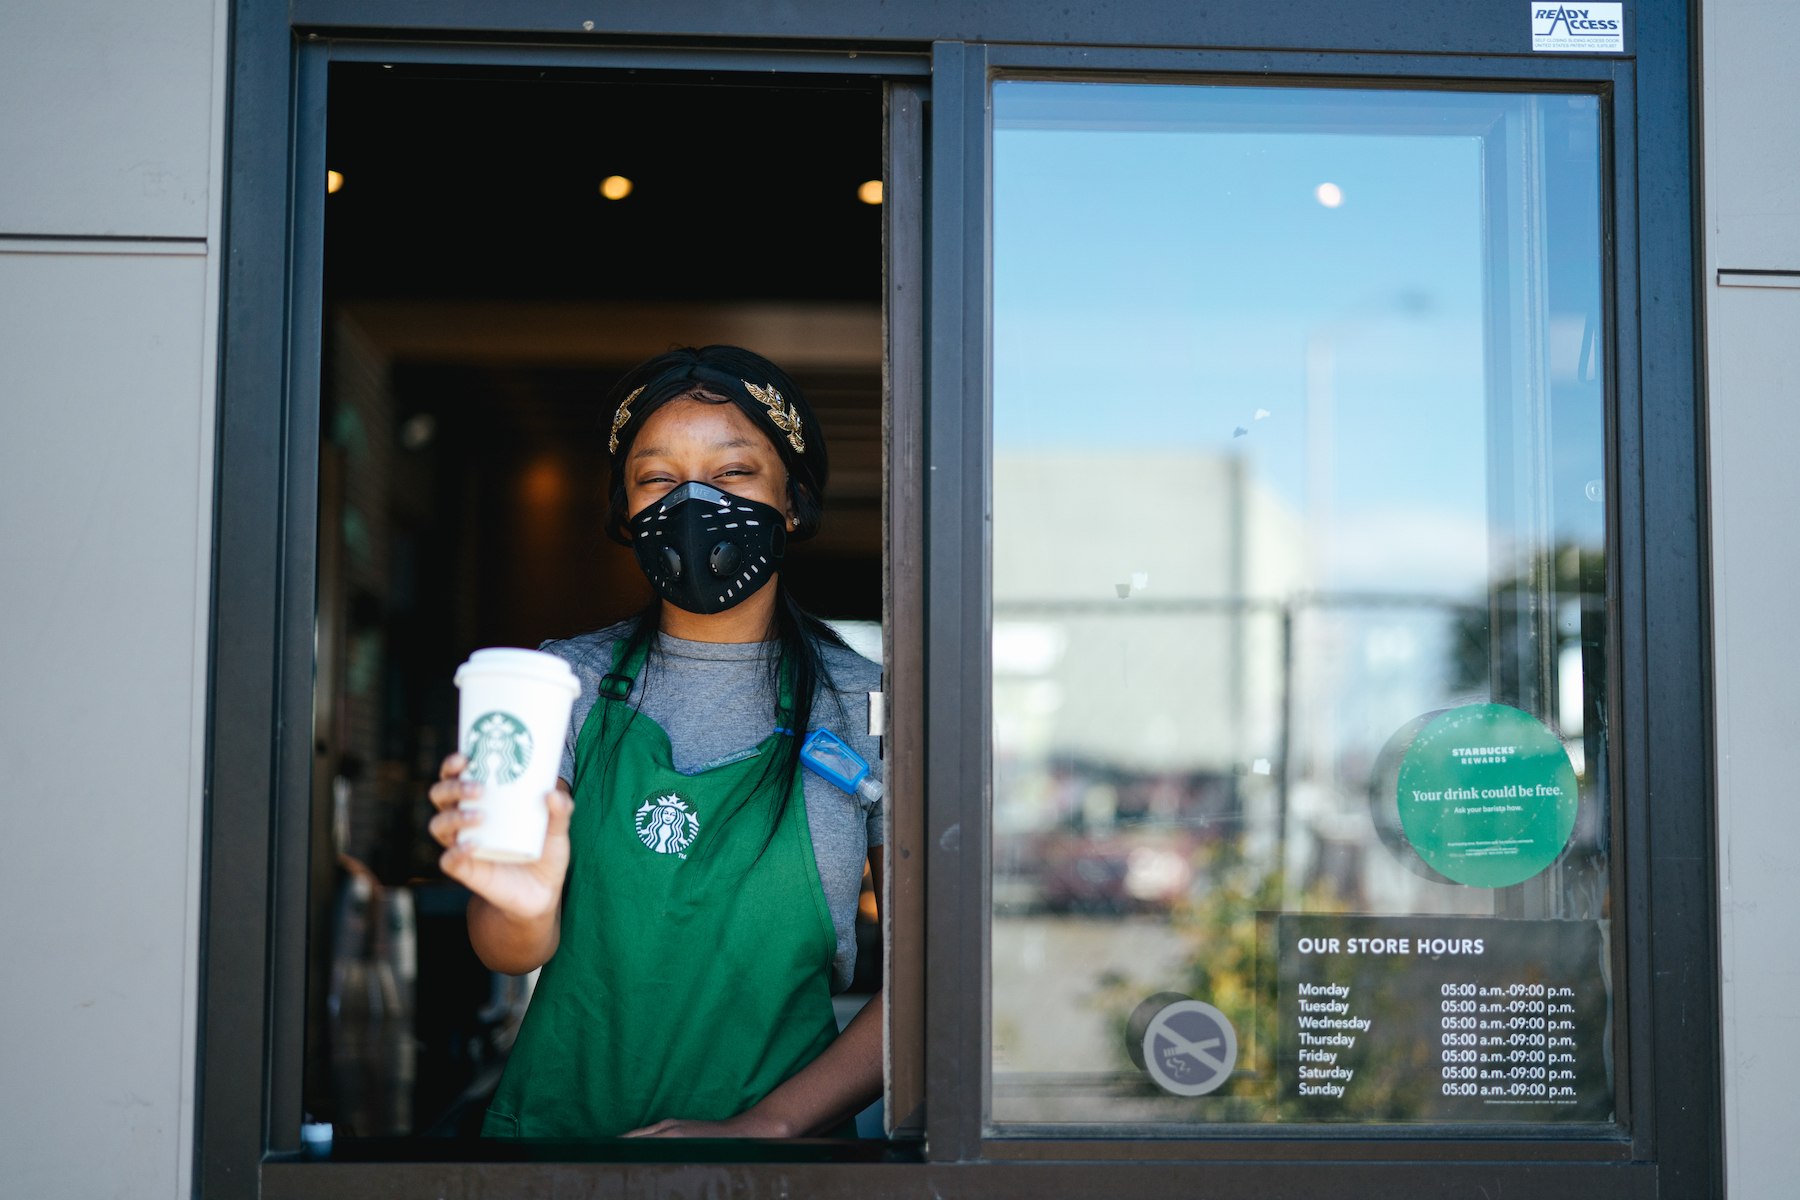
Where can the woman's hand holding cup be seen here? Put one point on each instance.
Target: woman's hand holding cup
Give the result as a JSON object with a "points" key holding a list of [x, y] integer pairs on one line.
{"points": [[525, 891]]}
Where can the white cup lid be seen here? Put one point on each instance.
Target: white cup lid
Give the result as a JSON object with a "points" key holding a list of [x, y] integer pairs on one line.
{"points": [[510, 660]]}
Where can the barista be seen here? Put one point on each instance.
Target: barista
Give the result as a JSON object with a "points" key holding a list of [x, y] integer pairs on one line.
{"points": [[694, 908]]}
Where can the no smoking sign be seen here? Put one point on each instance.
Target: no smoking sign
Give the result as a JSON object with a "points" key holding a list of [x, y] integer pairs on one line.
{"points": [[1187, 1046]]}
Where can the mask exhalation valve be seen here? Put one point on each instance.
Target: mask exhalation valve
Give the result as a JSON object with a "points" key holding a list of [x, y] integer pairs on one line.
{"points": [[725, 560]]}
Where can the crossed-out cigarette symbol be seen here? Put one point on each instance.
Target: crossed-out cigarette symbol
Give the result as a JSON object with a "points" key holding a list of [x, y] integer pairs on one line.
{"points": [[1194, 1050], [1192, 1063]]}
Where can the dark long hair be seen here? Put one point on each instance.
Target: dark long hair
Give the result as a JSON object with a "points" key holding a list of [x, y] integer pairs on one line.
{"points": [[719, 374]]}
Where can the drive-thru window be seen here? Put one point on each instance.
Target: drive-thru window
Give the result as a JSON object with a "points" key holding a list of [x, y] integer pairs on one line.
{"points": [[1266, 478]]}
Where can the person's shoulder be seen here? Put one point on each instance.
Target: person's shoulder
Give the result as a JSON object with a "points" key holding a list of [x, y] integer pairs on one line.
{"points": [[850, 671], [589, 651]]}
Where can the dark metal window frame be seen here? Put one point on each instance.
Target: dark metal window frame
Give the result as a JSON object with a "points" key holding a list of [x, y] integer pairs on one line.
{"points": [[966, 805], [264, 544]]}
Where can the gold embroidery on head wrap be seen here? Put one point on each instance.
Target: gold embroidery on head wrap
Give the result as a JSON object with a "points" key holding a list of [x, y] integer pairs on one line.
{"points": [[785, 416], [619, 419]]}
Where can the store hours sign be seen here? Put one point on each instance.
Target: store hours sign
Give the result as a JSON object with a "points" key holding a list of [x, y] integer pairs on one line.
{"points": [[1442, 1019]]}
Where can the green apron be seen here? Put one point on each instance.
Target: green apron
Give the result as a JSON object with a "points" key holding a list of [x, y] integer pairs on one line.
{"points": [[693, 975]]}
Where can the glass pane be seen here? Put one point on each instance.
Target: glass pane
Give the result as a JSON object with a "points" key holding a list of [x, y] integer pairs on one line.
{"points": [[1299, 549]]}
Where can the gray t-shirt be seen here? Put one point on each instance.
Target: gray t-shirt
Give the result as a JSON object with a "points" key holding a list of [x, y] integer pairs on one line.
{"points": [[712, 699]]}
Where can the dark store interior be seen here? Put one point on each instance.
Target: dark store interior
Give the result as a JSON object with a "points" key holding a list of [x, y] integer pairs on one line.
{"points": [[500, 248]]}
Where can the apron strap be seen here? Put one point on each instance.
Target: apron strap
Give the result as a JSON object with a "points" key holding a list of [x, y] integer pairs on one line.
{"points": [[616, 685], [784, 707]]}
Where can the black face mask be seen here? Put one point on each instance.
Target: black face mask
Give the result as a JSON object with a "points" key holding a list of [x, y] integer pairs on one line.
{"points": [[705, 550]]}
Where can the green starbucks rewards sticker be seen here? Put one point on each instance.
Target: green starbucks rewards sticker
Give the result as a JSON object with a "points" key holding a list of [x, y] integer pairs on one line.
{"points": [[1487, 795]]}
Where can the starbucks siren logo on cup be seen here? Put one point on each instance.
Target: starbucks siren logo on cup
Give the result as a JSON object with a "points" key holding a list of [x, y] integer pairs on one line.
{"points": [[498, 748], [513, 713]]}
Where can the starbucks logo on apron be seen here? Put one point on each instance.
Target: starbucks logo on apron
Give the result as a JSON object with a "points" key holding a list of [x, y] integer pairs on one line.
{"points": [[498, 748], [667, 824]]}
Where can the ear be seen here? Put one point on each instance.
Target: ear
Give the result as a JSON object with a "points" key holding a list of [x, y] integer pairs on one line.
{"points": [[793, 508]]}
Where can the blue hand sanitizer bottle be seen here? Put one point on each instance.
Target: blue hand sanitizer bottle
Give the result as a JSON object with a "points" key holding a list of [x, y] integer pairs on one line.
{"points": [[827, 756]]}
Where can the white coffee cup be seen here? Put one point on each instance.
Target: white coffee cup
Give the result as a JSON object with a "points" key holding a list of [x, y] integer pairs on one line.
{"points": [[512, 717]]}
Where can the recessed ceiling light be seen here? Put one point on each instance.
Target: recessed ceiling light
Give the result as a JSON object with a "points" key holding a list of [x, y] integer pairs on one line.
{"points": [[417, 431], [870, 192], [1329, 194], [615, 187]]}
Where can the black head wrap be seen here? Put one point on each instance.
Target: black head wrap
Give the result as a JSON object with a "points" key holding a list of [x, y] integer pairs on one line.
{"points": [[730, 372]]}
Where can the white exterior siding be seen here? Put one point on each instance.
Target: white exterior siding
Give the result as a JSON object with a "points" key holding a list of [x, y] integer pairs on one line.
{"points": [[1752, 185], [107, 117], [110, 124]]}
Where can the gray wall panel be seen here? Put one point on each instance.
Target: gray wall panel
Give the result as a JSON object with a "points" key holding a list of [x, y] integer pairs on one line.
{"points": [[105, 485], [106, 116], [1755, 370], [1753, 349], [1753, 133]]}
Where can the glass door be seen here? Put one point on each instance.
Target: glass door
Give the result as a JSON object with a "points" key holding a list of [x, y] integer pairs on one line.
{"points": [[1301, 793]]}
